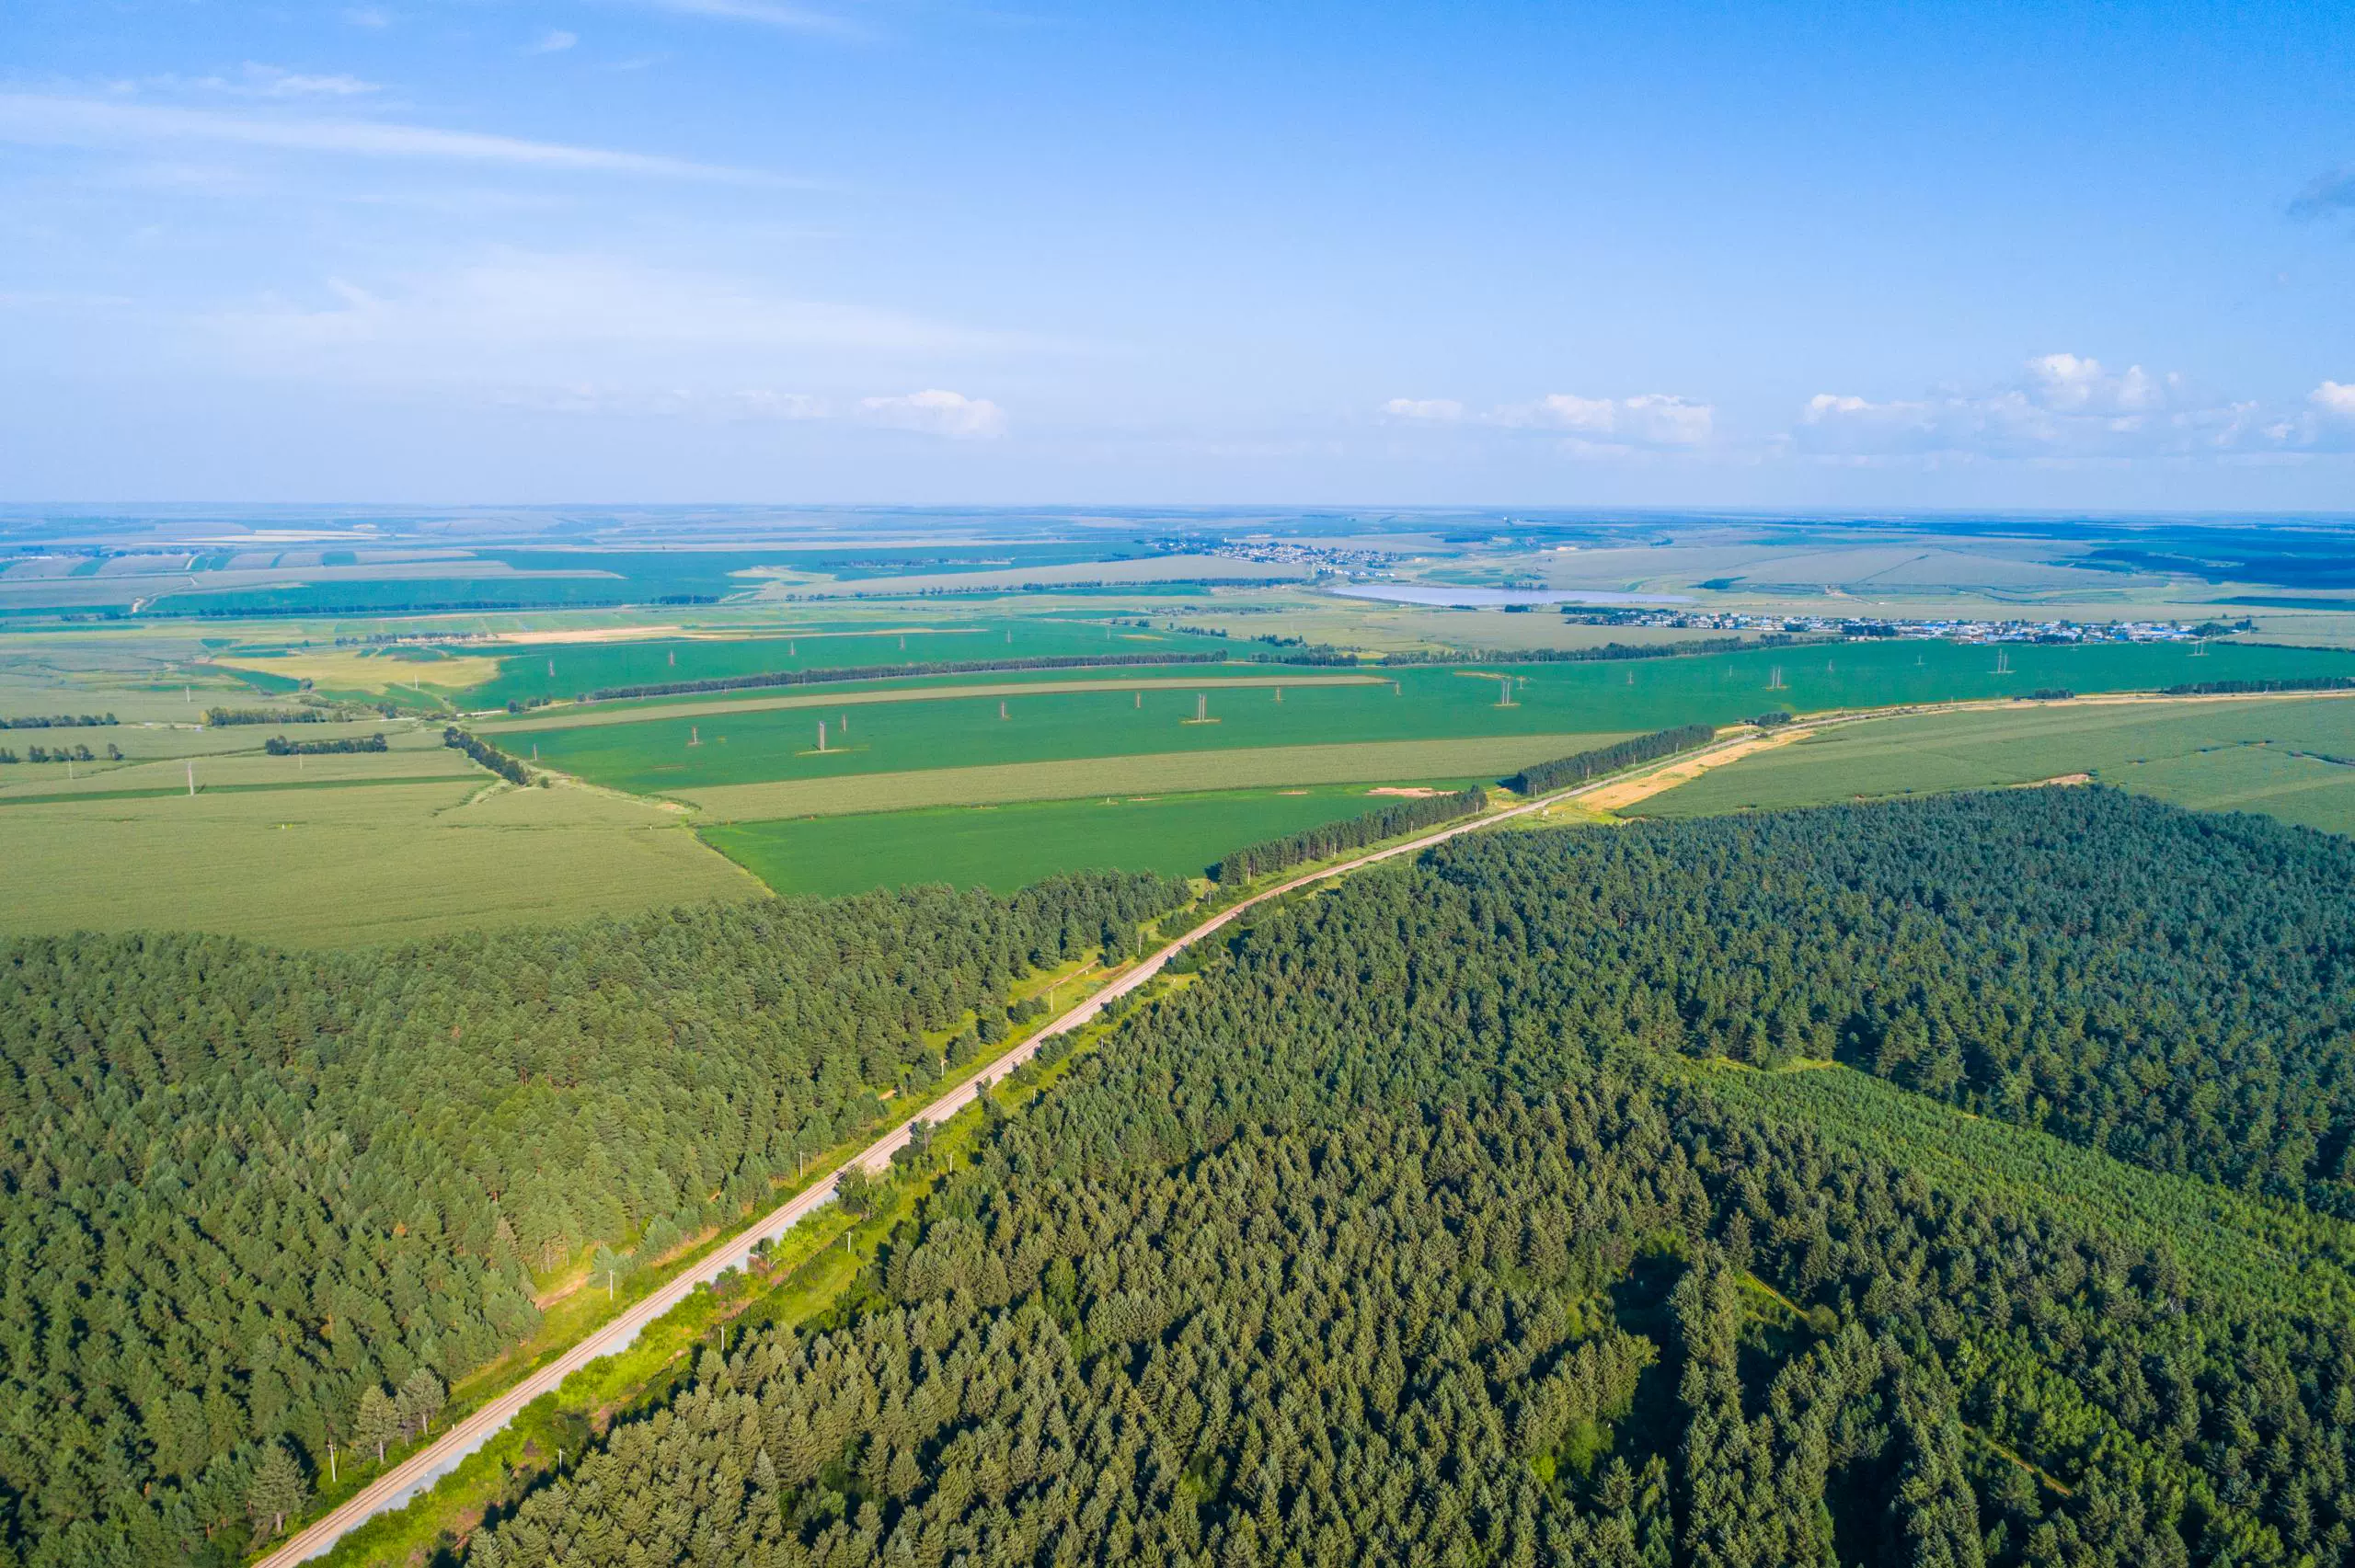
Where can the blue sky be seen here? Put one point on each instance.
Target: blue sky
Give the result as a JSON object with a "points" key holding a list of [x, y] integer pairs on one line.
{"points": [[1977, 255]]}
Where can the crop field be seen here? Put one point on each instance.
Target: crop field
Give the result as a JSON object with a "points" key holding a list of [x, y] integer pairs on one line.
{"points": [[155, 758], [2271, 755], [560, 670], [686, 756], [1009, 846], [1168, 773], [365, 671], [1188, 678], [351, 865]]}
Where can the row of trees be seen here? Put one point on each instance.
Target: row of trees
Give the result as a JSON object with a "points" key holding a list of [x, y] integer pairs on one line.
{"points": [[221, 718], [511, 768], [57, 721], [61, 754], [1541, 778], [1349, 833], [2284, 683], [1292, 651], [280, 746], [239, 1188], [1392, 1240]]}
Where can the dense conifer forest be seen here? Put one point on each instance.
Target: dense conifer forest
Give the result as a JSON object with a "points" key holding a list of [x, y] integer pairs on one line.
{"points": [[252, 1202], [1427, 1222]]}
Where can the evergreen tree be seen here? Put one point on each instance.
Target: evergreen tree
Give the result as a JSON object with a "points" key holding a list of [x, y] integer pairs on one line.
{"points": [[278, 1488]]}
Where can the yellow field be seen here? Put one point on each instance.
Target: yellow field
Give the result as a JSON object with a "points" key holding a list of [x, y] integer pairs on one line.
{"points": [[346, 669], [1252, 768], [349, 866]]}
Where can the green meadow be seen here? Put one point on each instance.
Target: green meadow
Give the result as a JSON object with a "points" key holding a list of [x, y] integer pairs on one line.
{"points": [[686, 753], [352, 864], [2273, 755], [557, 672], [1006, 847]]}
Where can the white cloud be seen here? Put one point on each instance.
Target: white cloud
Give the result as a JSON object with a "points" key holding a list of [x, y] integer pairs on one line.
{"points": [[519, 307], [2333, 400], [936, 412], [556, 41], [271, 81], [368, 17], [1598, 425], [1647, 419], [2062, 407], [87, 122]]}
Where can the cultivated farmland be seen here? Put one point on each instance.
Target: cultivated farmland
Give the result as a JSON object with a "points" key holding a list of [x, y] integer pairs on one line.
{"points": [[689, 756], [346, 866], [1267, 766], [2275, 755], [560, 670], [1009, 846]]}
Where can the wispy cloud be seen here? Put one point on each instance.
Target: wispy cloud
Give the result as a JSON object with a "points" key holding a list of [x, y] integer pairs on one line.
{"points": [[556, 41], [87, 122], [368, 17], [938, 412], [2326, 195], [274, 82], [1599, 426], [767, 14], [1437, 410]]}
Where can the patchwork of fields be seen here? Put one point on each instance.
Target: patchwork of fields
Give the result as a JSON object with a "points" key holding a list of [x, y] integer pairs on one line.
{"points": [[2289, 758], [370, 847], [686, 756], [564, 671]]}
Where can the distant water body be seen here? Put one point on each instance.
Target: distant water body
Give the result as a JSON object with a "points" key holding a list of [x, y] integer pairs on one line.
{"points": [[1484, 598]]}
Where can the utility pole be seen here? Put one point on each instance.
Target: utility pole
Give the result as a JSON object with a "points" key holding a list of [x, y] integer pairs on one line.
{"points": [[191, 775], [822, 735]]}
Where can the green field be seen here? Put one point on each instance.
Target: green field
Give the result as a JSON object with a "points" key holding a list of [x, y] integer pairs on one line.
{"points": [[706, 709], [342, 866], [2267, 755], [1269, 766], [680, 755], [1006, 847], [561, 670]]}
